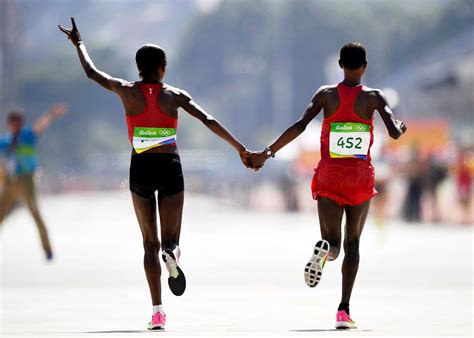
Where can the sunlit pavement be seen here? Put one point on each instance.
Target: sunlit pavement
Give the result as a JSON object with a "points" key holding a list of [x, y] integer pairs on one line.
{"points": [[244, 271]]}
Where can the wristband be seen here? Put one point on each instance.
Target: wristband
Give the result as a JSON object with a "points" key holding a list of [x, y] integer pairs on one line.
{"points": [[268, 152]]}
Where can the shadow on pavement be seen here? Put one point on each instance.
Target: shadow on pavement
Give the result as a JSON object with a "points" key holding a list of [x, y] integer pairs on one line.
{"points": [[330, 330], [125, 331]]}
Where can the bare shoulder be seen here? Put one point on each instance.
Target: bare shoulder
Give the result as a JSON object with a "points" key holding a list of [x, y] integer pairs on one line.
{"points": [[327, 90], [374, 97], [176, 92], [324, 93], [126, 84], [372, 93], [122, 86]]}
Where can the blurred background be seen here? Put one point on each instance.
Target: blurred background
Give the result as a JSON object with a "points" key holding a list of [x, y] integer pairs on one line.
{"points": [[254, 65]]}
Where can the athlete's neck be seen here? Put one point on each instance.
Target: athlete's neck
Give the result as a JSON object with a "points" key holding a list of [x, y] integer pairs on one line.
{"points": [[352, 78], [151, 79], [351, 82]]}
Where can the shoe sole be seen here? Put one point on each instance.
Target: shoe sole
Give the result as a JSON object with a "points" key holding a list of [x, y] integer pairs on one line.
{"points": [[313, 270], [176, 280], [156, 328], [345, 326]]}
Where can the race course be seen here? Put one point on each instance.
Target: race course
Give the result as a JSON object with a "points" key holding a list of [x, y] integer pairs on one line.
{"points": [[244, 271]]}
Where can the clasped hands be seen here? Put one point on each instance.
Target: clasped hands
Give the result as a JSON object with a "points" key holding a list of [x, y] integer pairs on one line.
{"points": [[253, 159]]}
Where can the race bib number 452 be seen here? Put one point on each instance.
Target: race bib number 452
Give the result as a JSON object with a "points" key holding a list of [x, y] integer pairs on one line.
{"points": [[349, 140]]}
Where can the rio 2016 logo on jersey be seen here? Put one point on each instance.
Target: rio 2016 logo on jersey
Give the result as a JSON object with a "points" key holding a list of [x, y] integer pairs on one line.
{"points": [[147, 133], [349, 127], [362, 127], [164, 132], [153, 132]]}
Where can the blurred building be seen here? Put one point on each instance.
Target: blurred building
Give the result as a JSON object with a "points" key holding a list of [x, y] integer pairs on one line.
{"points": [[440, 85]]}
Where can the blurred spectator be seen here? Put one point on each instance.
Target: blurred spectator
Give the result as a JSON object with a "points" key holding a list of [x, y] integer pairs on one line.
{"points": [[288, 186], [464, 185], [412, 203], [18, 150], [382, 179], [434, 174]]}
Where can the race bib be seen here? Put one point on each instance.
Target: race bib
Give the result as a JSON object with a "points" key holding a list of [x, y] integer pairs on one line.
{"points": [[349, 140], [147, 138]]}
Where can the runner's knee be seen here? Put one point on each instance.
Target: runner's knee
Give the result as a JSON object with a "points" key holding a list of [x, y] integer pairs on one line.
{"points": [[151, 246], [351, 249], [151, 260]]}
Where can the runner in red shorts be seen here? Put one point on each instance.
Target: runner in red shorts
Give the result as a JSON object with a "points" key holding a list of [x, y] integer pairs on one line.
{"points": [[344, 178]]}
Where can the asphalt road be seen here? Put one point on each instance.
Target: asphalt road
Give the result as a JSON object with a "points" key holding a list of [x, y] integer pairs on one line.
{"points": [[244, 272]]}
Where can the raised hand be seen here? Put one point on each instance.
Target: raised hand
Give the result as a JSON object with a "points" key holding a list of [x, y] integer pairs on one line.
{"points": [[45, 120], [73, 33], [401, 125], [58, 110]]}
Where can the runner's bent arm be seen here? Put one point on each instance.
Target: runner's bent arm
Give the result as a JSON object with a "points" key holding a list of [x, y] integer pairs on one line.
{"points": [[186, 102], [102, 78], [396, 128]]}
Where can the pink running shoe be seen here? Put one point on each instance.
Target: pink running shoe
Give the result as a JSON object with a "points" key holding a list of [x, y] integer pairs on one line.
{"points": [[157, 321], [343, 321]]}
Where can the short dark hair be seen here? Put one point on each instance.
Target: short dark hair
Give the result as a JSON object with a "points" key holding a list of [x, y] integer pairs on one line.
{"points": [[149, 58], [15, 115], [353, 55]]}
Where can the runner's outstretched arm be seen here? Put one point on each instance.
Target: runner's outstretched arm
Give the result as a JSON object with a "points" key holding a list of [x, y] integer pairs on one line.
{"points": [[186, 102], [45, 120], [102, 78], [396, 128], [257, 160]]}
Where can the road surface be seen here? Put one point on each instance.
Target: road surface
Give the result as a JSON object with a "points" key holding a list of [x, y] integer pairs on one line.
{"points": [[244, 271]]}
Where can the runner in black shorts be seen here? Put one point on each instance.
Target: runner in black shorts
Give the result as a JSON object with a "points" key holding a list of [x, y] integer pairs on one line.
{"points": [[151, 108]]}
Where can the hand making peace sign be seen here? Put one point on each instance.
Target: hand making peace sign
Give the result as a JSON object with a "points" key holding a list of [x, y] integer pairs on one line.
{"points": [[73, 33]]}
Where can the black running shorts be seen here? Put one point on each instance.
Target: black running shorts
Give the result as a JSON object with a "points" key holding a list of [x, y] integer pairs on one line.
{"points": [[156, 172]]}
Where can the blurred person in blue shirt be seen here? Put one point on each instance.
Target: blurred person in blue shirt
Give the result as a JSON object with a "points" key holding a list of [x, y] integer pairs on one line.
{"points": [[19, 159]]}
